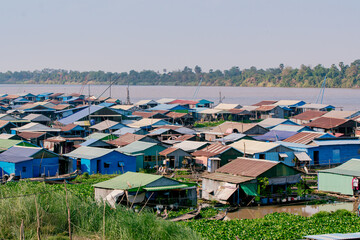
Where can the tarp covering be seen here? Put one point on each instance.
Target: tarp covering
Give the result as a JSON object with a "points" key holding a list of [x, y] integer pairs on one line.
{"points": [[285, 180], [113, 196], [250, 189], [302, 156], [135, 198], [224, 193]]}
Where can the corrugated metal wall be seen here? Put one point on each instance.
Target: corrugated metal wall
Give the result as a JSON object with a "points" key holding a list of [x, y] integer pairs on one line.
{"points": [[335, 183]]}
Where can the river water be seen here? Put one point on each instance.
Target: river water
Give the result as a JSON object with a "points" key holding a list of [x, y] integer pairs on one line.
{"points": [[348, 99], [302, 210]]}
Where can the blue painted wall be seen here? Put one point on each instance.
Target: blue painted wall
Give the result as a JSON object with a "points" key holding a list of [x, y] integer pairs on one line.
{"points": [[48, 166], [335, 154], [274, 156], [17, 168], [114, 159]]}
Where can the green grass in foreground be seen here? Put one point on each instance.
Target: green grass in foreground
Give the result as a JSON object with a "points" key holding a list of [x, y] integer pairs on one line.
{"points": [[86, 216]]}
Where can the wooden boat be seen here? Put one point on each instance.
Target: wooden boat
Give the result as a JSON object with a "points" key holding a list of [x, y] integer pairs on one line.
{"points": [[232, 209], [220, 216], [187, 216], [55, 179]]}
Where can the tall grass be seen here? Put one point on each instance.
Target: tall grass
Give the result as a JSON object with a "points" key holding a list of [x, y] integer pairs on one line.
{"points": [[86, 216]]}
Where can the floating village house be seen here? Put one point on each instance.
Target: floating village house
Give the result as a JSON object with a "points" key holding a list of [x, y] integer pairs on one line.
{"points": [[43, 162], [147, 154], [238, 180], [339, 179], [100, 160], [152, 189], [216, 155], [176, 157], [265, 150]]}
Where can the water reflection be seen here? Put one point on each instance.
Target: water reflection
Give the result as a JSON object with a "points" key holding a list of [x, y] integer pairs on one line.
{"points": [[303, 210]]}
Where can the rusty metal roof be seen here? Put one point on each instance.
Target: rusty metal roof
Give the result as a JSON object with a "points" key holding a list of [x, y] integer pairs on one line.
{"points": [[176, 115], [248, 167], [326, 123], [266, 102], [212, 150], [227, 177], [265, 108], [30, 135], [241, 127], [126, 139], [303, 137], [309, 115]]}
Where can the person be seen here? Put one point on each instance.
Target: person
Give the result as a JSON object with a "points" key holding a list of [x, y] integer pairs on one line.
{"points": [[355, 185]]}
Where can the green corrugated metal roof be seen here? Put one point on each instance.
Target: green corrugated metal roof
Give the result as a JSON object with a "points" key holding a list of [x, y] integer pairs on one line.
{"points": [[8, 143], [129, 178], [154, 189], [135, 147], [101, 136], [349, 168], [88, 152]]}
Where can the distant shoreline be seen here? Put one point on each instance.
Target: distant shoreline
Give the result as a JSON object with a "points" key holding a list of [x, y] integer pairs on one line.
{"points": [[152, 85]]}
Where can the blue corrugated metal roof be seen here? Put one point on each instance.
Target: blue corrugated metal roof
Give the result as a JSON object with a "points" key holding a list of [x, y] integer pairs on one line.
{"points": [[169, 107], [275, 135], [81, 114], [22, 151], [291, 128], [333, 236], [106, 104], [43, 94], [13, 159], [338, 141]]}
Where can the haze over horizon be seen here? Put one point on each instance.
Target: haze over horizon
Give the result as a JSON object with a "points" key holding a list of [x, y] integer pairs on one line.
{"points": [[120, 36]]}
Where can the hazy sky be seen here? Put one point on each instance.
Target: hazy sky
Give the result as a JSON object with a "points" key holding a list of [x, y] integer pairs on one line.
{"points": [[114, 35]]}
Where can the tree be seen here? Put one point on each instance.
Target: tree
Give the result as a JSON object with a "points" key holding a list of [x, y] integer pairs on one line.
{"points": [[197, 69]]}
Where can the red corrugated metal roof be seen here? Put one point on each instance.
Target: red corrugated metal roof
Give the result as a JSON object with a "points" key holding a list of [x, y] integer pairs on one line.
{"points": [[68, 127], [30, 135], [144, 114], [184, 137], [176, 115], [248, 167], [168, 151], [184, 102], [309, 115], [266, 102], [303, 137], [212, 150], [265, 108], [126, 139], [326, 123]]}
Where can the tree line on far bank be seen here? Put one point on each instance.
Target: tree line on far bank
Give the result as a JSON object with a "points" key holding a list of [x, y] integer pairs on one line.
{"points": [[337, 76]]}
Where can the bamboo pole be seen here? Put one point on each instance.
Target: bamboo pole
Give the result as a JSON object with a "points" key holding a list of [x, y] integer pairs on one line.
{"points": [[38, 220], [22, 237], [135, 196], [146, 202], [68, 210]]}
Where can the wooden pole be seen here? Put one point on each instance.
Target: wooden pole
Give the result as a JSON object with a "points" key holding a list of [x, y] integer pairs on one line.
{"points": [[38, 220], [146, 202], [135, 196], [104, 221], [68, 210], [22, 237]]}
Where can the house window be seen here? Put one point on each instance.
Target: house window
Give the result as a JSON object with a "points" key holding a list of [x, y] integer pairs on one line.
{"points": [[106, 165], [261, 156], [24, 169], [121, 164]]}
